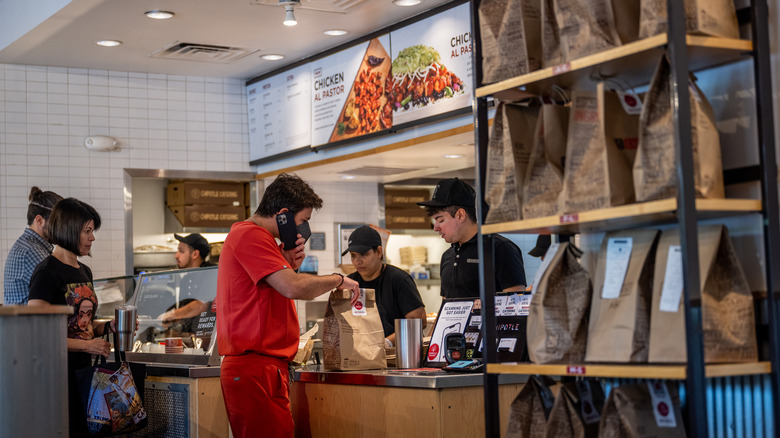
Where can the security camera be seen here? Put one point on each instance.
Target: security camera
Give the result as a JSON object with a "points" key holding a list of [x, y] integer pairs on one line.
{"points": [[101, 143]]}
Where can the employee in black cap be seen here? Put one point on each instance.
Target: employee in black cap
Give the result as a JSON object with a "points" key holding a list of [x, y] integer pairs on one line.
{"points": [[397, 296], [192, 251], [454, 213], [542, 244]]}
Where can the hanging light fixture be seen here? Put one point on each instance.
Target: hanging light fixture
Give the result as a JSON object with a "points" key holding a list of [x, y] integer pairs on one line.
{"points": [[289, 11]]}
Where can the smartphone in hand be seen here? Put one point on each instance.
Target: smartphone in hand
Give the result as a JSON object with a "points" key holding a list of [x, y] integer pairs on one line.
{"points": [[288, 232]]}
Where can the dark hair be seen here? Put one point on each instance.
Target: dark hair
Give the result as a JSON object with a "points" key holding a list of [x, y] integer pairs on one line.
{"points": [[288, 191], [471, 212], [67, 219], [41, 203]]}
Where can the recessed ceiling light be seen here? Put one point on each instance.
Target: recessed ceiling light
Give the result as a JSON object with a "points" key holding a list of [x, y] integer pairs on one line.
{"points": [[159, 15], [406, 2], [108, 43], [335, 32], [347, 177], [453, 156], [273, 57]]}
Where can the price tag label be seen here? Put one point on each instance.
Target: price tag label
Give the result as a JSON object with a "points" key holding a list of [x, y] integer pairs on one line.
{"points": [[569, 218], [561, 68], [576, 370], [618, 256], [673, 281], [662, 404]]}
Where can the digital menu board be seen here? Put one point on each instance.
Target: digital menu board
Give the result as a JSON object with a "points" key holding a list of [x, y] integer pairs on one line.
{"points": [[279, 108], [431, 70], [348, 92], [408, 75]]}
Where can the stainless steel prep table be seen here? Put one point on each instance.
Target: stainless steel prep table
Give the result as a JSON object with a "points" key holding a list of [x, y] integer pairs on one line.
{"points": [[391, 403]]}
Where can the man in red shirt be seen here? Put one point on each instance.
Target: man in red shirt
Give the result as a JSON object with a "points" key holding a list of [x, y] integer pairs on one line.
{"points": [[257, 324]]}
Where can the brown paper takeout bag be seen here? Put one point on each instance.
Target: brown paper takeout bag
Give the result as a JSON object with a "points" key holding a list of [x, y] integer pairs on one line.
{"points": [[628, 413], [577, 411], [509, 149], [708, 17], [511, 38], [544, 177], [598, 172], [619, 328], [585, 27], [655, 166], [530, 409], [353, 341], [551, 36], [727, 303], [558, 317]]}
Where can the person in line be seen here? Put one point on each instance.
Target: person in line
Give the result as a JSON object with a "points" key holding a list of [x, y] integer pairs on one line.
{"points": [[397, 296], [60, 279], [192, 251], [30, 248], [257, 324], [454, 213]]}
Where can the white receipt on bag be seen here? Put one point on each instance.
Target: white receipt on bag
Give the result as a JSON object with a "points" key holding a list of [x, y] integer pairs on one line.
{"points": [[673, 281], [618, 256]]}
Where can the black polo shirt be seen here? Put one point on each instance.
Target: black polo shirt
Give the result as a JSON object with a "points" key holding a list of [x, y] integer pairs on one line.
{"points": [[460, 268]]}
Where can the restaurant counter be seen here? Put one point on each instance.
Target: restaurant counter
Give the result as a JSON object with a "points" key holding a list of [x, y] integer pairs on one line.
{"points": [[389, 403]]}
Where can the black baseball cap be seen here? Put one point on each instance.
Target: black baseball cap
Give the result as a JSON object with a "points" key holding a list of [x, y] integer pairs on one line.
{"points": [[542, 244], [363, 239], [452, 191], [196, 241]]}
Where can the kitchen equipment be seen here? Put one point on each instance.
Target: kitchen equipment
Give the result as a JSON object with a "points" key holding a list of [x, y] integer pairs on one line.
{"points": [[408, 343]]}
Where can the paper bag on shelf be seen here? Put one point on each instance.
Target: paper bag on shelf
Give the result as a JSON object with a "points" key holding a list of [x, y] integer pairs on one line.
{"points": [[577, 411], [511, 33], [708, 17], [353, 338], [619, 326], [645, 409], [530, 409], [508, 152], [655, 166], [558, 316], [544, 177], [627, 19], [551, 36], [727, 303], [585, 26], [599, 152]]}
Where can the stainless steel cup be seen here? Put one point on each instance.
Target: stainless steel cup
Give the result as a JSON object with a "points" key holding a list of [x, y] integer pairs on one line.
{"points": [[408, 343], [125, 316]]}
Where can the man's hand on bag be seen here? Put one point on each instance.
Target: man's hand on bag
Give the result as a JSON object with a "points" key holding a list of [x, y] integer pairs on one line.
{"points": [[353, 286], [98, 346]]}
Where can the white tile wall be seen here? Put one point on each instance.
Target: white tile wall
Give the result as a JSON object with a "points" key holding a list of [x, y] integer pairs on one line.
{"points": [[161, 121]]}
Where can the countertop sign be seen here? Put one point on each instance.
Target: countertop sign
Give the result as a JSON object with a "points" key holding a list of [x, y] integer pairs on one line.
{"points": [[275, 108]]}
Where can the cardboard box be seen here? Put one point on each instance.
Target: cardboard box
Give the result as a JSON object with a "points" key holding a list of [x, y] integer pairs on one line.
{"points": [[405, 198], [205, 193], [407, 218], [208, 216]]}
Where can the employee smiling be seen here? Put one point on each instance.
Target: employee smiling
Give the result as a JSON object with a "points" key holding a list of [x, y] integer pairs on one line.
{"points": [[396, 294]]}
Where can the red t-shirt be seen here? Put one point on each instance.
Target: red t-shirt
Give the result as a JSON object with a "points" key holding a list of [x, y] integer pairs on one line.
{"points": [[251, 315]]}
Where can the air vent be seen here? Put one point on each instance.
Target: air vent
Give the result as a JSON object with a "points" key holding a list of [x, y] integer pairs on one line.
{"points": [[202, 53], [376, 170], [340, 6]]}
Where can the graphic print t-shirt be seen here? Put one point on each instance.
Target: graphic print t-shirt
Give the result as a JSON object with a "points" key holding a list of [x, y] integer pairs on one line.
{"points": [[61, 284]]}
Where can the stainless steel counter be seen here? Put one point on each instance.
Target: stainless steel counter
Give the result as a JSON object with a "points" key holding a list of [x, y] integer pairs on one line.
{"points": [[180, 370], [428, 378]]}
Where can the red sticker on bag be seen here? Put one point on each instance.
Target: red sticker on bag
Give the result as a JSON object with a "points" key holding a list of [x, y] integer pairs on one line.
{"points": [[433, 351]]}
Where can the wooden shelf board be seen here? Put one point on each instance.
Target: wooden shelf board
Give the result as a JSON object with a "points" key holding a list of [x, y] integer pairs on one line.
{"points": [[677, 372], [634, 63], [660, 211]]}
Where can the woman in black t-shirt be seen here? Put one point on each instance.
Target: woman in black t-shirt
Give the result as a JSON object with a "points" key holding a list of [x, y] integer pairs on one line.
{"points": [[61, 280]]}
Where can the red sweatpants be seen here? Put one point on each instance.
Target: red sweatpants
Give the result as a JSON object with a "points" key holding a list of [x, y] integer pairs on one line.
{"points": [[257, 396]]}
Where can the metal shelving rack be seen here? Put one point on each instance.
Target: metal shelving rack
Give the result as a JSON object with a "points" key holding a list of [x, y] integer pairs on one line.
{"points": [[685, 53]]}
